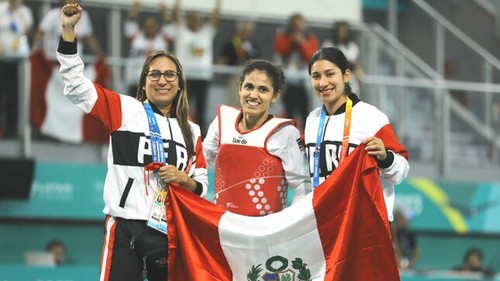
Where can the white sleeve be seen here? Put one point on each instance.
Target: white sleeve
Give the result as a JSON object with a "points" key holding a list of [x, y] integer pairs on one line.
{"points": [[211, 143], [77, 88], [398, 170], [285, 144]]}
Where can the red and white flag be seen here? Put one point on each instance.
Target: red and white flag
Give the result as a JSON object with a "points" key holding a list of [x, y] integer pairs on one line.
{"points": [[338, 232], [52, 114]]}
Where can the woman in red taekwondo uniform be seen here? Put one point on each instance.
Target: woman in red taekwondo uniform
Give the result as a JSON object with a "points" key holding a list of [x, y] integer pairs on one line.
{"points": [[256, 155], [152, 144], [336, 128]]}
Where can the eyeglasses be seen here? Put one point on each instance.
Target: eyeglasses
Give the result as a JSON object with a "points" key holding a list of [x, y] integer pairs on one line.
{"points": [[169, 75]]}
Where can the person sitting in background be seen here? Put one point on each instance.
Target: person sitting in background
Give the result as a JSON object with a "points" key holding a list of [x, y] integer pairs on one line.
{"points": [[236, 51], [58, 249], [240, 47], [16, 21], [341, 39], [145, 37], [293, 47], [52, 117], [404, 241], [473, 263], [47, 35], [194, 39]]}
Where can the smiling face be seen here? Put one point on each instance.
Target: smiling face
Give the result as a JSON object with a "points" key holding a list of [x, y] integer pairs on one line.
{"points": [[329, 84], [162, 92], [256, 95]]}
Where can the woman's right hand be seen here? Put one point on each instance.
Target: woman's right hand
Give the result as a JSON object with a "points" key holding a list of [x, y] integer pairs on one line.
{"points": [[70, 15]]}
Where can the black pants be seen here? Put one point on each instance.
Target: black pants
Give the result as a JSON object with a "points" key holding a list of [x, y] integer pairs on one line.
{"points": [[136, 249]]}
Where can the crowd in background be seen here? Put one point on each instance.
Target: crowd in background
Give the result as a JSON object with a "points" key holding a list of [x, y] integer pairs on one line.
{"points": [[190, 34]]}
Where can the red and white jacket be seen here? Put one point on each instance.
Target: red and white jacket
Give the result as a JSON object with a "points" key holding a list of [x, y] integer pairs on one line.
{"points": [[366, 121], [126, 195]]}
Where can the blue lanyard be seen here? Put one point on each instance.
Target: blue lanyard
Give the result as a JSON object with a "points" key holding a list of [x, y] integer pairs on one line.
{"points": [[317, 147], [158, 152]]}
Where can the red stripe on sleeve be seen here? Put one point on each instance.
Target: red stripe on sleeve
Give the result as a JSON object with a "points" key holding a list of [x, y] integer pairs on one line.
{"points": [[107, 108], [391, 142], [200, 159]]}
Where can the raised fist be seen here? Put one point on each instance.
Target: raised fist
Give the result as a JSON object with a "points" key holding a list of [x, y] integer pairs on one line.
{"points": [[70, 15]]}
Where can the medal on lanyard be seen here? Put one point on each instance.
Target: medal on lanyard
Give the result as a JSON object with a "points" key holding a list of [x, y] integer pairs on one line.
{"points": [[319, 138], [157, 217]]}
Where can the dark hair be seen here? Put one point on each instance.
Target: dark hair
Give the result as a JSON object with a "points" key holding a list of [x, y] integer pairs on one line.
{"points": [[54, 243], [473, 251], [336, 26], [334, 56], [291, 19], [274, 72], [180, 103]]}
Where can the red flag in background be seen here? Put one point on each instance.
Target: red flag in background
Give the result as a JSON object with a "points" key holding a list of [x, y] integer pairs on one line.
{"points": [[52, 114], [339, 232]]}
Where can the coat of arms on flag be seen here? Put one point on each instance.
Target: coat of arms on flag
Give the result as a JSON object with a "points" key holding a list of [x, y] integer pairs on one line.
{"points": [[278, 268]]}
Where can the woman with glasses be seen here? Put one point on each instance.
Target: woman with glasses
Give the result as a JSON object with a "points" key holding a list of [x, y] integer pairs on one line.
{"points": [[152, 144], [256, 155]]}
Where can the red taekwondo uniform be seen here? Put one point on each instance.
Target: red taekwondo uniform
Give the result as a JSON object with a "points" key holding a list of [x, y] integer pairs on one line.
{"points": [[254, 169]]}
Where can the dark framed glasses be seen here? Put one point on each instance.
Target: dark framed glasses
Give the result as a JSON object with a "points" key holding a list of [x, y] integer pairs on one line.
{"points": [[170, 75]]}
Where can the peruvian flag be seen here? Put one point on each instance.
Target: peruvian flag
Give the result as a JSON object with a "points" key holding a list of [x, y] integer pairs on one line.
{"points": [[52, 114], [340, 231]]}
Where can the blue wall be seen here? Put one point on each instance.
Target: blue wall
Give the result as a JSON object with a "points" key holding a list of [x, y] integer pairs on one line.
{"points": [[66, 204]]}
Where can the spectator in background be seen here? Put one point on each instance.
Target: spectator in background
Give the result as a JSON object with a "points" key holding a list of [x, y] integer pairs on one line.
{"points": [[473, 263], [235, 52], [240, 47], [58, 249], [52, 117], [145, 36], [194, 47], [293, 47], [47, 35], [16, 21], [404, 241], [342, 40]]}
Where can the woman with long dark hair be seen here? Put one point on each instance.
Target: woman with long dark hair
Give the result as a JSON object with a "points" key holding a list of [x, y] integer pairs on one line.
{"points": [[343, 122], [152, 144]]}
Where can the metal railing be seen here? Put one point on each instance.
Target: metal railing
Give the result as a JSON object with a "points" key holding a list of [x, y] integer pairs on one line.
{"points": [[483, 121]]}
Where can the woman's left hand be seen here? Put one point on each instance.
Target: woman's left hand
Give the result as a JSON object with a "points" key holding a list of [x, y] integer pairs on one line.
{"points": [[170, 173], [375, 148]]}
